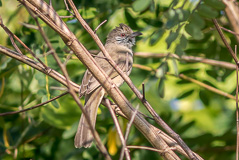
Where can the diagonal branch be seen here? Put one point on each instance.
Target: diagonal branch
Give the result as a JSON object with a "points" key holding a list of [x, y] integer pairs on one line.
{"points": [[182, 76], [116, 122], [70, 88], [53, 20], [52, 73], [187, 59], [225, 42], [131, 85]]}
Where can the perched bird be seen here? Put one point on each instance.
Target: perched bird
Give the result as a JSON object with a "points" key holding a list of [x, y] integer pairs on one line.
{"points": [[119, 45]]}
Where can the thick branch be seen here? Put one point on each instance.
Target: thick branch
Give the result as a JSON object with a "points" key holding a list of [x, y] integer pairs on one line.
{"points": [[232, 12], [45, 12], [127, 107], [100, 75]]}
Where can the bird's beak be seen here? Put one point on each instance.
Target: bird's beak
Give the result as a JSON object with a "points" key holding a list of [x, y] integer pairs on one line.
{"points": [[135, 34]]}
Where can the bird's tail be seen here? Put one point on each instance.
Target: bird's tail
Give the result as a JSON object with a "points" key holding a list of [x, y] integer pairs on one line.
{"points": [[84, 137]]}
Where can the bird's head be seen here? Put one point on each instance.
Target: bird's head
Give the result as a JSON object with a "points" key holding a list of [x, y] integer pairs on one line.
{"points": [[122, 35]]}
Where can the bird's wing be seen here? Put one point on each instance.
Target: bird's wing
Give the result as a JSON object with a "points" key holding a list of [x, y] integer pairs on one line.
{"points": [[89, 82]]}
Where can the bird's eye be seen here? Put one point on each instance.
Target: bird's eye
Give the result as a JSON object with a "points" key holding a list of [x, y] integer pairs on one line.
{"points": [[122, 34]]}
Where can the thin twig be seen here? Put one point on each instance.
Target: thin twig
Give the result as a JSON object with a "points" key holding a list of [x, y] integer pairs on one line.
{"points": [[58, 88], [127, 132], [232, 13], [68, 57], [184, 58], [150, 149], [228, 30], [119, 131], [36, 106], [131, 122], [40, 28], [78, 48], [30, 26], [28, 49], [10, 34], [38, 66], [120, 113], [67, 17], [237, 110], [225, 41], [143, 91], [210, 88], [182, 76], [93, 55], [143, 67], [99, 25], [157, 118], [67, 8], [72, 92]]}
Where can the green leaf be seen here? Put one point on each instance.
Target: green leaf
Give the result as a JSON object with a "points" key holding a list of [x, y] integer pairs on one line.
{"points": [[207, 11], [88, 13], [194, 31], [183, 42], [55, 103], [204, 96], [189, 71], [40, 77], [131, 20], [219, 5], [179, 50], [154, 22], [176, 16], [44, 99], [186, 14], [209, 83], [0, 3], [170, 14], [62, 12], [61, 117], [161, 87], [70, 132], [140, 5], [5, 62], [41, 92], [172, 22], [152, 6], [197, 20], [186, 94], [171, 38], [156, 36], [187, 126], [162, 69]]}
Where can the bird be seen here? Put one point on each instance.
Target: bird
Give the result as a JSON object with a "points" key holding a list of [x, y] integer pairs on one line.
{"points": [[119, 43]]}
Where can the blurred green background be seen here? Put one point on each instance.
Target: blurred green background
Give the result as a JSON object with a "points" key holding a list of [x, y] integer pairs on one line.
{"points": [[205, 120]]}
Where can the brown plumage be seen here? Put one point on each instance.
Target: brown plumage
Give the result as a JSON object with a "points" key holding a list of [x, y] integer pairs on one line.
{"points": [[119, 46]]}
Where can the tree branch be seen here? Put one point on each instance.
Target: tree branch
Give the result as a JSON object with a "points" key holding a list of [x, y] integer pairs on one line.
{"points": [[127, 109], [36, 106], [52, 73], [187, 59]]}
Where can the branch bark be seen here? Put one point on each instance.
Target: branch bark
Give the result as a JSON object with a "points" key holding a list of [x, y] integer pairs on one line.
{"points": [[125, 109], [50, 72], [48, 15], [232, 12], [192, 59], [53, 20]]}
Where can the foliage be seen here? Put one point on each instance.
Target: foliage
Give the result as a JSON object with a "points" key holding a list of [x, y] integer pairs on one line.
{"points": [[202, 118]]}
